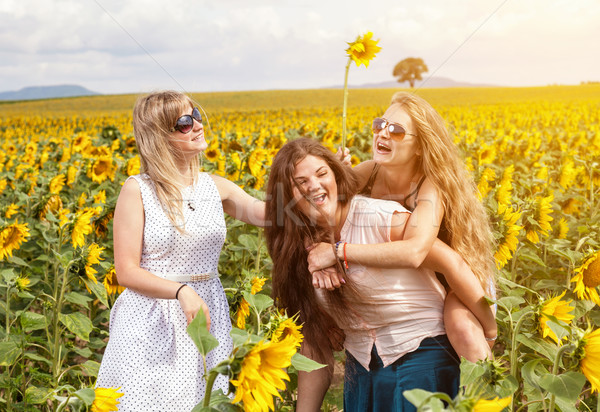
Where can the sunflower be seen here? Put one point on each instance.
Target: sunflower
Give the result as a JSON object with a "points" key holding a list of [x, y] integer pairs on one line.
{"points": [[53, 205], [3, 184], [31, 148], [57, 183], [100, 197], [93, 258], [102, 169], [257, 285], [106, 400], [486, 154], [560, 310], [81, 227], [71, 175], [80, 142], [587, 278], [492, 405], [541, 214], [23, 283], [562, 230], [288, 329], [111, 283], [509, 241], [590, 363], [133, 166], [256, 162], [363, 49], [571, 207], [11, 238], [97, 151], [242, 314], [568, 174], [504, 191], [63, 217], [262, 374], [235, 171], [11, 210], [483, 187], [542, 174], [101, 224], [82, 199], [212, 154]]}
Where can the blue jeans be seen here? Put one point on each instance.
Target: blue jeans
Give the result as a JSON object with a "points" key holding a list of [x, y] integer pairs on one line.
{"points": [[434, 367]]}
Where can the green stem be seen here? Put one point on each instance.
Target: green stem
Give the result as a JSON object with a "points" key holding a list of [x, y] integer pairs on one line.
{"points": [[559, 354], [257, 267], [211, 380], [591, 185], [513, 351], [513, 265], [344, 110], [56, 361], [7, 309]]}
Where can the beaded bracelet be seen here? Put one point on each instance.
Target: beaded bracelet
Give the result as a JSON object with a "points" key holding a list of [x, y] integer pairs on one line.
{"points": [[337, 246], [345, 256]]}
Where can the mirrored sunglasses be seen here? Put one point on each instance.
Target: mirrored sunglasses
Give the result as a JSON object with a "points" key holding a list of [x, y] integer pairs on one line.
{"points": [[186, 122], [394, 129]]}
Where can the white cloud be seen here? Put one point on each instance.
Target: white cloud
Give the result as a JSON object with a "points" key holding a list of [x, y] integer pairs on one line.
{"points": [[125, 46]]}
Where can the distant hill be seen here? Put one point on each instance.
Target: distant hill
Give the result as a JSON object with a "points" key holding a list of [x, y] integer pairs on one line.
{"points": [[47, 92], [426, 83]]}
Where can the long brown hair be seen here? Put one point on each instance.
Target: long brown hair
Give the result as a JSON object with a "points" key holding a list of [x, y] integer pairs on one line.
{"points": [[464, 215], [287, 233]]}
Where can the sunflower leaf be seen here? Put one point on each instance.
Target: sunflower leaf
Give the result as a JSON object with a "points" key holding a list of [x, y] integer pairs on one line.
{"points": [[421, 398], [470, 372], [31, 321], [205, 342], [9, 353], [77, 323], [87, 395], [259, 301], [36, 396], [98, 290], [566, 387], [304, 364]]}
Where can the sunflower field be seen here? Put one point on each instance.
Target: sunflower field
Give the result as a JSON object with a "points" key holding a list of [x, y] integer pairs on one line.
{"points": [[533, 152]]}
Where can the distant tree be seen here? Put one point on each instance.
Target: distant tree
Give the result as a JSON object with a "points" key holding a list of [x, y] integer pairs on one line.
{"points": [[410, 69]]}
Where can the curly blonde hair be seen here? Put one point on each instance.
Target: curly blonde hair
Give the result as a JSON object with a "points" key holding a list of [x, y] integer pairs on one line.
{"points": [[465, 217], [153, 117]]}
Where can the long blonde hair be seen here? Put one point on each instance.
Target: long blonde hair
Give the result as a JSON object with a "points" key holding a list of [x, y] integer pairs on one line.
{"points": [[153, 117], [464, 215]]}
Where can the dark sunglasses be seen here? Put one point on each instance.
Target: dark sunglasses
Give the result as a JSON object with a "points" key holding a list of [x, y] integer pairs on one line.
{"points": [[186, 122], [394, 129]]}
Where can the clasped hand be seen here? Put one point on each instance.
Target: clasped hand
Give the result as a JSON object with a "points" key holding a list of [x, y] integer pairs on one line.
{"points": [[322, 265]]}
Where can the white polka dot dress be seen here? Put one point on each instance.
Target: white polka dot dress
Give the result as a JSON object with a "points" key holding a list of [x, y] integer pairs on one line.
{"points": [[149, 353]]}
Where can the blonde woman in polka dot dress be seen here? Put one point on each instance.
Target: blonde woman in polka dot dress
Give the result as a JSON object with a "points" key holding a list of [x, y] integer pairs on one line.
{"points": [[169, 228]]}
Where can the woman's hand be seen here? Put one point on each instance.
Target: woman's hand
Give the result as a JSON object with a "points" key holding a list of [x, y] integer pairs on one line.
{"points": [[191, 303], [321, 256], [345, 157], [328, 278]]}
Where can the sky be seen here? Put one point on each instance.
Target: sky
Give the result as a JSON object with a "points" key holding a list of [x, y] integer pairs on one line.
{"points": [[136, 46]]}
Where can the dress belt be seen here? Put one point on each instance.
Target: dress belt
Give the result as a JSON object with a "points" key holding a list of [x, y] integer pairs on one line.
{"points": [[197, 277]]}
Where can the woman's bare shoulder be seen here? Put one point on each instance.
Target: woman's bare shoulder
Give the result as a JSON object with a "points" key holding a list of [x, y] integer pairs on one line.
{"points": [[363, 170]]}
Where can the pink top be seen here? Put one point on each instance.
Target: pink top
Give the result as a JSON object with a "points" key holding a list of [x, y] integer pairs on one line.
{"points": [[403, 306]]}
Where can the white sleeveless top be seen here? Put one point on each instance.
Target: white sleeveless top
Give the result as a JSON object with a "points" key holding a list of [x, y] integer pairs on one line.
{"points": [[403, 306]]}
